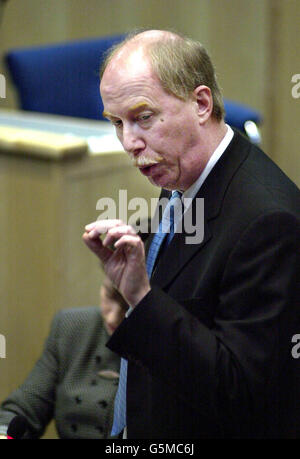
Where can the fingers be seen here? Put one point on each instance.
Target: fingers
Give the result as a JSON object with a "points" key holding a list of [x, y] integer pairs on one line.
{"points": [[114, 230], [129, 242], [98, 227], [96, 246], [118, 235], [114, 234]]}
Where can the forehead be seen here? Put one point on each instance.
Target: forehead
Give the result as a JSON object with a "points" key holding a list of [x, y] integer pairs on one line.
{"points": [[129, 84], [129, 60], [129, 97], [126, 74]]}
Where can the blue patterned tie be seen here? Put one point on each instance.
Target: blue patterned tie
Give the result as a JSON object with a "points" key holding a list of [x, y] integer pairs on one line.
{"points": [[166, 226], [120, 401]]}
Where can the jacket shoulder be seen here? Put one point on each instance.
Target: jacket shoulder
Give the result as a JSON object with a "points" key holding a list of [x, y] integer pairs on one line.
{"points": [[77, 324]]}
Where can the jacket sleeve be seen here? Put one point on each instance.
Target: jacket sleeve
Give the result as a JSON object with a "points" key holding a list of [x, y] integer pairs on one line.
{"points": [[227, 369], [35, 398]]}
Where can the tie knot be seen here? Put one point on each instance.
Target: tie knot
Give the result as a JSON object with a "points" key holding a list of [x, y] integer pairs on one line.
{"points": [[166, 227], [173, 211], [175, 194]]}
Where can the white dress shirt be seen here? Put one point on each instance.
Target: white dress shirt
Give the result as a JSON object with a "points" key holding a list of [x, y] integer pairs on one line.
{"points": [[195, 187]]}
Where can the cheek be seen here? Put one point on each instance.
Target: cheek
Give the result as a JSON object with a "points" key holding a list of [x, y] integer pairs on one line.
{"points": [[176, 131], [119, 135], [166, 139], [184, 139]]}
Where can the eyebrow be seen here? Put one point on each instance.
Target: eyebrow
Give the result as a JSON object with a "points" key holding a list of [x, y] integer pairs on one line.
{"points": [[134, 108], [106, 114], [139, 106]]}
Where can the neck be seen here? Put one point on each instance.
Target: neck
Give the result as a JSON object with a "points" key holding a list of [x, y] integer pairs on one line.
{"points": [[212, 134]]}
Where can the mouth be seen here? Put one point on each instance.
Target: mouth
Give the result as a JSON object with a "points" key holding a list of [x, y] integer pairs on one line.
{"points": [[147, 170], [142, 161], [146, 165]]}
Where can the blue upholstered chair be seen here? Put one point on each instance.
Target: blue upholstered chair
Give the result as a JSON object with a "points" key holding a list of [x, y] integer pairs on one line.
{"points": [[63, 79], [244, 118]]}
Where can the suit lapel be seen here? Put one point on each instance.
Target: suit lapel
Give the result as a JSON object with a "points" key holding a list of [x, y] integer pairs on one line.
{"points": [[212, 191], [167, 268]]}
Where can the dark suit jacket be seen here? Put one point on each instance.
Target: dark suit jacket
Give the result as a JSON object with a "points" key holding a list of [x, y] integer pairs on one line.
{"points": [[209, 347], [69, 382]]}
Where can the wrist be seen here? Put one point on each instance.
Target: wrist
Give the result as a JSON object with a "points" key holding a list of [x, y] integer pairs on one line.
{"points": [[138, 298]]}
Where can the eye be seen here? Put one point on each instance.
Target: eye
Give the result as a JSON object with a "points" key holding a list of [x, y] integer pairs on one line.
{"points": [[117, 123], [144, 117]]}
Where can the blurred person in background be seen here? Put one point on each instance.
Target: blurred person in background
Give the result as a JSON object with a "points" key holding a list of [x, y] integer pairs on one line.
{"points": [[75, 380]]}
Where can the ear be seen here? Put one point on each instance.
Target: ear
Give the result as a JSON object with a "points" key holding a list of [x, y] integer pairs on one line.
{"points": [[204, 102]]}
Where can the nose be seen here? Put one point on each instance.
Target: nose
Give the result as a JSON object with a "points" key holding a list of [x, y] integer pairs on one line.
{"points": [[132, 139]]}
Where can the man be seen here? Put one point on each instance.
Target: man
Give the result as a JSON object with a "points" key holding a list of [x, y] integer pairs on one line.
{"points": [[208, 341]]}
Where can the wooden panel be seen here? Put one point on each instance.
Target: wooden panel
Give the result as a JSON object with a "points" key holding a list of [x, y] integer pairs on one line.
{"points": [[45, 266], [284, 110]]}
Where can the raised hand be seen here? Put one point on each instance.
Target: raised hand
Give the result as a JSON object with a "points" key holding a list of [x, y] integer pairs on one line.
{"points": [[122, 255]]}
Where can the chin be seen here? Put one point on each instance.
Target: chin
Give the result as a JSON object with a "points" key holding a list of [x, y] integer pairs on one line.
{"points": [[166, 185], [162, 182]]}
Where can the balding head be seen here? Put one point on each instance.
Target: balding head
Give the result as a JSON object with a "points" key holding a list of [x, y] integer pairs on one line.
{"points": [[150, 36], [180, 64], [134, 49]]}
